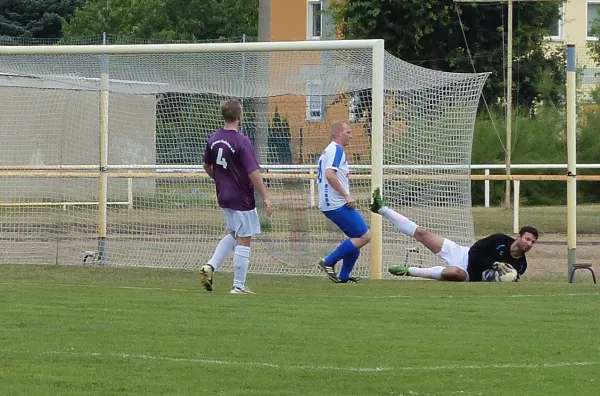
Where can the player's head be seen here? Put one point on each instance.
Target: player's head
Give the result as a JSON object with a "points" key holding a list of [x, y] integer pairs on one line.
{"points": [[232, 111], [527, 237], [341, 133]]}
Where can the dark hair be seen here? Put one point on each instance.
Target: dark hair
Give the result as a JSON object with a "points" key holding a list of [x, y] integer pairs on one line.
{"points": [[231, 110], [530, 230]]}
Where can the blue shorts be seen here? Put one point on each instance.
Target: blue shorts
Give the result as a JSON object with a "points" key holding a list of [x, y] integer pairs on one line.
{"points": [[348, 220]]}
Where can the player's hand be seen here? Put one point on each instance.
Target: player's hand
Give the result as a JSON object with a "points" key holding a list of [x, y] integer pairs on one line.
{"points": [[501, 267], [268, 206], [350, 201]]}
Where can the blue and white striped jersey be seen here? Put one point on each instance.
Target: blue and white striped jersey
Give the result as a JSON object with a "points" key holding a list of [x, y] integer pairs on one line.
{"points": [[333, 157]]}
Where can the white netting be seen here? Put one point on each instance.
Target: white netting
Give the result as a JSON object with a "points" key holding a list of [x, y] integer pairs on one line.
{"points": [[161, 207]]}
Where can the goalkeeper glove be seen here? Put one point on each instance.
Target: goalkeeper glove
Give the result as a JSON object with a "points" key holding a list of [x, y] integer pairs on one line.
{"points": [[501, 267]]}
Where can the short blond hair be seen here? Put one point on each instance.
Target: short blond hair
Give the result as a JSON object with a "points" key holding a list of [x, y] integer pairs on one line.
{"points": [[337, 126], [231, 110]]}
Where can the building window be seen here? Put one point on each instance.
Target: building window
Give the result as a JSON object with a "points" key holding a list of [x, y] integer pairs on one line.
{"points": [[357, 106], [314, 20], [593, 13], [556, 28], [314, 101]]}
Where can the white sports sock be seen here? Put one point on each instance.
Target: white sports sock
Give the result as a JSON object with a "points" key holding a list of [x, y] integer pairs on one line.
{"points": [[225, 246], [403, 224], [430, 273], [241, 260]]}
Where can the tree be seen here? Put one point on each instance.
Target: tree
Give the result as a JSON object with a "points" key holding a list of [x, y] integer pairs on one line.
{"points": [[32, 19], [279, 140], [192, 20], [428, 33], [184, 120]]}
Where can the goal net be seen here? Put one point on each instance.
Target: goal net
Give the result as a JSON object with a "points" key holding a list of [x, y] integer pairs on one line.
{"points": [[160, 208]]}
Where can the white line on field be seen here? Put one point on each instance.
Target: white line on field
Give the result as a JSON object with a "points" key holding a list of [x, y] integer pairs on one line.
{"points": [[83, 309], [95, 285], [321, 368]]}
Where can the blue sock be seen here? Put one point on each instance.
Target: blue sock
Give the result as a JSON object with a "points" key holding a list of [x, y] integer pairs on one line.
{"points": [[346, 248], [348, 265]]}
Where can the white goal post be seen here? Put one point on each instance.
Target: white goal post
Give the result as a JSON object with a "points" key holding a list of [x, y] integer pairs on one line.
{"points": [[104, 114]]}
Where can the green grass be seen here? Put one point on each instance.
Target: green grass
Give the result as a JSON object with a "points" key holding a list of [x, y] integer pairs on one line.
{"points": [[548, 219], [116, 331]]}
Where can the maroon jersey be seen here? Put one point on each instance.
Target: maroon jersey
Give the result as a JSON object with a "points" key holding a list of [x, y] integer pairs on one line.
{"points": [[232, 156]]}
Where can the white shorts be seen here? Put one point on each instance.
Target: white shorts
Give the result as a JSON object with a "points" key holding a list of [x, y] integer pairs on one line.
{"points": [[455, 255], [242, 223]]}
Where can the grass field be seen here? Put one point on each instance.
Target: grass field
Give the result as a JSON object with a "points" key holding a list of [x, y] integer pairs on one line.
{"points": [[550, 220], [116, 331]]}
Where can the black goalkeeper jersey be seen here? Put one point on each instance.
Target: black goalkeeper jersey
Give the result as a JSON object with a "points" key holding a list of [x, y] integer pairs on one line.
{"points": [[486, 251]]}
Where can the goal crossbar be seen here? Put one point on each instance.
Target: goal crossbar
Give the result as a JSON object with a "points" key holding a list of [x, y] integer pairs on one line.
{"points": [[190, 48]]}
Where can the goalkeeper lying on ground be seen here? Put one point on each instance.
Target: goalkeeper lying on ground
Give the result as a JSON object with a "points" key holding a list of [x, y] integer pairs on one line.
{"points": [[498, 251]]}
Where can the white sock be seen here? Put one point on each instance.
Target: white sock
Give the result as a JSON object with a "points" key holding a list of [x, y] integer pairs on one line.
{"points": [[430, 273], [241, 260], [225, 246], [403, 224]]}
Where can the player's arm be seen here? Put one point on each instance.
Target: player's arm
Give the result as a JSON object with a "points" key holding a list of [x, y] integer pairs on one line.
{"points": [[208, 163], [332, 162], [248, 158], [208, 168], [257, 180], [332, 180], [331, 176], [522, 269], [484, 250]]}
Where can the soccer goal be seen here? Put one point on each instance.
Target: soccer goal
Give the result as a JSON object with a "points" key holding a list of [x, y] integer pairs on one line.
{"points": [[102, 148]]}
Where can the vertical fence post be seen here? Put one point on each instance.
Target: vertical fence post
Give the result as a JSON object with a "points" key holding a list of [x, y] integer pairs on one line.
{"points": [[516, 206], [312, 187], [487, 189], [130, 192], [571, 160]]}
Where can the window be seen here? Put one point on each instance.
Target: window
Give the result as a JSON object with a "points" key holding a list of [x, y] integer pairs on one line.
{"points": [[556, 27], [314, 20], [357, 106], [314, 101], [593, 12]]}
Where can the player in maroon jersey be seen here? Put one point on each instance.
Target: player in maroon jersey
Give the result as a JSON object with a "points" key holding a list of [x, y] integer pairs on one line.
{"points": [[230, 160]]}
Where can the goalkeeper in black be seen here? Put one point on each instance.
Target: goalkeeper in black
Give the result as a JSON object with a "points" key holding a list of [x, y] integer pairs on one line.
{"points": [[463, 263]]}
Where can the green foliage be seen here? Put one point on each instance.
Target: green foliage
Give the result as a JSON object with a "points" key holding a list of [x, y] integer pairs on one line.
{"points": [[588, 151], [538, 139], [165, 19], [34, 18], [183, 123], [428, 33], [279, 140]]}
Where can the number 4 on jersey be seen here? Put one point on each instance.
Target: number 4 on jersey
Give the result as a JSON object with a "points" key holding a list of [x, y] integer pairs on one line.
{"points": [[220, 160]]}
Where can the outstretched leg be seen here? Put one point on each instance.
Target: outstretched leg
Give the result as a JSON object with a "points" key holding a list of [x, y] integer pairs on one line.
{"points": [[406, 226], [430, 240]]}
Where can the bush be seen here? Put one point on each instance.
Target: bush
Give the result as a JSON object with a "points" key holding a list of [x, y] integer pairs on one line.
{"points": [[535, 139]]}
